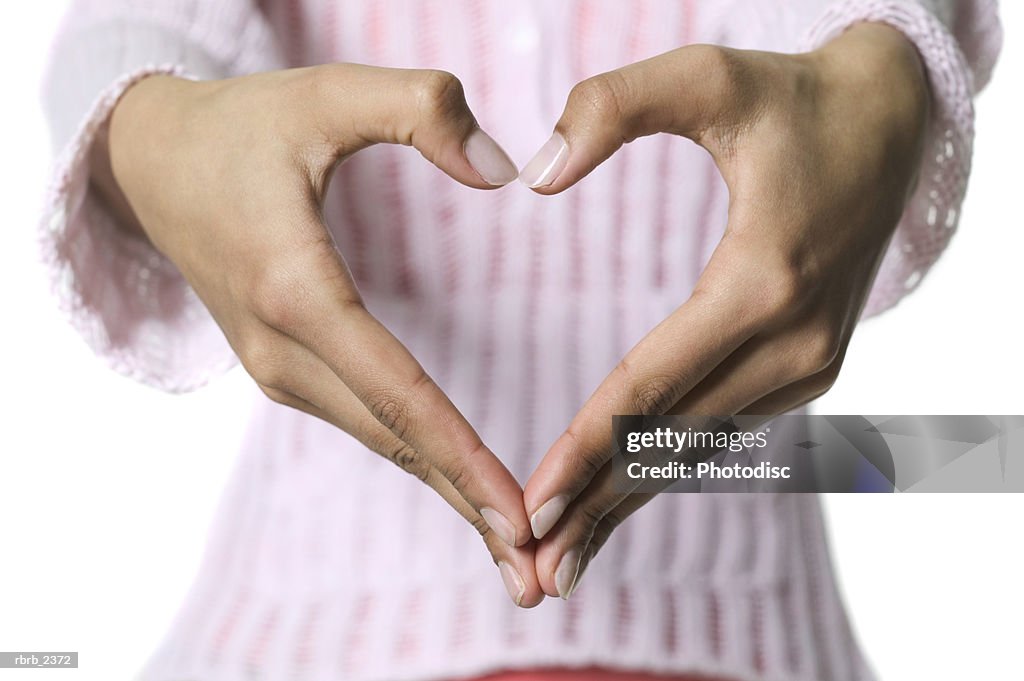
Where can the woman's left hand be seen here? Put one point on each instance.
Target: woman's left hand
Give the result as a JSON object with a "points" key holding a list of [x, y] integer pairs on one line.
{"points": [[820, 153]]}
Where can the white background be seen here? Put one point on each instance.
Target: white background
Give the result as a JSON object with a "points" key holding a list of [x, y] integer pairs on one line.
{"points": [[106, 487]]}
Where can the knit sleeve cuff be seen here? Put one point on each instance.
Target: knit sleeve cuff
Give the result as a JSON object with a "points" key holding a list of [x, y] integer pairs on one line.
{"points": [[130, 303], [932, 214]]}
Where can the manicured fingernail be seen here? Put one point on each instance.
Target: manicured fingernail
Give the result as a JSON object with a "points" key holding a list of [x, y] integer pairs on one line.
{"points": [[545, 167], [565, 574], [489, 160], [545, 517], [500, 524], [514, 583]]}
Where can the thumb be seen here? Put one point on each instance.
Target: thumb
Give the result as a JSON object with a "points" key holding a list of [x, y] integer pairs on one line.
{"points": [[422, 108], [682, 92]]}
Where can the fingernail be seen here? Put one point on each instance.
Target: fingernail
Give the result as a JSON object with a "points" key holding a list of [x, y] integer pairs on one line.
{"points": [[547, 164], [545, 517], [514, 584], [489, 160], [500, 524], [565, 573]]}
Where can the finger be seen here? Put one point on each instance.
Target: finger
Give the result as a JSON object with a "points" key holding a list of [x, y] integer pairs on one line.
{"points": [[426, 109], [792, 359], [308, 385], [766, 376], [563, 556], [324, 313], [516, 565], [591, 521], [682, 92], [752, 373], [796, 394], [764, 365], [656, 374]]}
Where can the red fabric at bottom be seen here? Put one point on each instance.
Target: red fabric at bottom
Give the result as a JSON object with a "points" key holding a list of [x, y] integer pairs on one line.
{"points": [[588, 674]]}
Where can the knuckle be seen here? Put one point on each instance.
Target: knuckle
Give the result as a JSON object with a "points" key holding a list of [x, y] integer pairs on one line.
{"points": [[601, 97], [586, 462], [784, 290], [406, 458], [453, 469], [290, 291], [390, 410], [276, 297], [391, 406], [759, 289], [652, 396], [458, 479], [439, 93], [730, 77], [647, 394], [262, 357], [780, 291], [321, 82], [717, 63], [820, 352]]}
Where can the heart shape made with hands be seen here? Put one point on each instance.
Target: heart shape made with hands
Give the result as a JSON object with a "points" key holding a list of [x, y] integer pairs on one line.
{"points": [[817, 185], [819, 152]]}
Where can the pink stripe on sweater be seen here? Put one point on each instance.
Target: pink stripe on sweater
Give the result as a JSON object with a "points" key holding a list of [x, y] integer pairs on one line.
{"points": [[298, 53], [261, 643], [535, 282], [664, 168], [483, 74], [583, 20], [428, 54], [492, 286], [304, 641], [622, 217], [332, 30], [404, 283]]}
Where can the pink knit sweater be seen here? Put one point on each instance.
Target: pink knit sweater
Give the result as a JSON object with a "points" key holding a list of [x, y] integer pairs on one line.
{"points": [[326, 562]]}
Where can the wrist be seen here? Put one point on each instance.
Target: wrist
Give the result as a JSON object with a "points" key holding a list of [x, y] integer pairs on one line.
{"points": [[114, 148], [876, 69], [102, 182]]}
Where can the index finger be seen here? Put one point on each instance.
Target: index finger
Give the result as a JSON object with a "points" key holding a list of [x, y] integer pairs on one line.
{"points": [[326, 315], [650, 379], [404, 398]]}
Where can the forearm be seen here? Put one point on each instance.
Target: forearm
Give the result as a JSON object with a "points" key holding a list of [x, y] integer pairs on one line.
{"points": [[102, 182]]}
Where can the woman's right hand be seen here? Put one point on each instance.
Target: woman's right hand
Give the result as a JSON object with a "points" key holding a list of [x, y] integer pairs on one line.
{"points": [[227, 179]]}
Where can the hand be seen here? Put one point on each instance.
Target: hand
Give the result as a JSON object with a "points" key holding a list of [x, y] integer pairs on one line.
{"points": [[819, 152], [227, 178]]}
